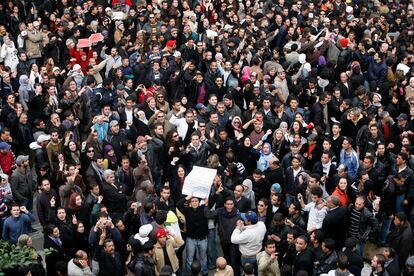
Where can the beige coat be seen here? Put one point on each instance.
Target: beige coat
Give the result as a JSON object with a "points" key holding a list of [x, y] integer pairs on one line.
{"points": [[267, 267], [34, 44], [159, 254]]}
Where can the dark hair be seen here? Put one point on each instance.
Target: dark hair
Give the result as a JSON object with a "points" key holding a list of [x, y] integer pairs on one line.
{"points": [[403, 156], [270, 242], [195, 267], [319, 235], [343, 261], [48, 229], [329, 244], [317, 191], [380, 259], [248, 268], [148, 206], [102, 214], [304, 238], [401, 216], [147, 247], [161, 217]]}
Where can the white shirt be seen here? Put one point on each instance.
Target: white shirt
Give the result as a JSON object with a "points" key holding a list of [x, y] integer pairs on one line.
{"points": [[249, 238], [316, 216]]}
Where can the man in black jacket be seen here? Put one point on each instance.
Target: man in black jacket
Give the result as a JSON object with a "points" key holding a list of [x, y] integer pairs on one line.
{"points": [[243, 204], [113, 194], [319, 113], [157, 155], [145, 265], [197, 230], [401, 237], [335, 223], [304, 257], [43, 202], [110, 262], [274, 174]]}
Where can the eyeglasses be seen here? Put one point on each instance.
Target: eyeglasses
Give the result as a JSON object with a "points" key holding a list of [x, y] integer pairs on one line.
{"points": [[90, 151]]}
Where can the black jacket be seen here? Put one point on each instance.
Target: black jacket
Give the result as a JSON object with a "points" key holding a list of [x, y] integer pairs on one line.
{"points": [[335, 225], [303, 261], [243, 204], [113, 198], [144, 266], [401, 240], [196, 221], [56, 256], [109, 265]]}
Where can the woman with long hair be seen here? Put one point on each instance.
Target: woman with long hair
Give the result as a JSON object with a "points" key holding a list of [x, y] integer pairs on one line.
{"points": [[176, 178], [173, 144], [279, 144]]}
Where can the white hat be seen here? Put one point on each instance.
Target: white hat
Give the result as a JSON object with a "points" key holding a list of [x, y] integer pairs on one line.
{"points": [[43, 138], [76, 67], [228, 27], [302, 58], [107, 9], [177, 54], [143, 233], [349, 9]]}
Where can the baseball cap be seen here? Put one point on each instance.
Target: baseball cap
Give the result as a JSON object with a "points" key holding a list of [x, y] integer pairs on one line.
{"points": [[177, 54], [120, 87], [200, 106], [312, 137], [4, 146], [21, 158], [250, 216], [402, 117], [160, 233]]}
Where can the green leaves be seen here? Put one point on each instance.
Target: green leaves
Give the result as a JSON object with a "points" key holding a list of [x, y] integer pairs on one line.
{"points": [[12, 256]]}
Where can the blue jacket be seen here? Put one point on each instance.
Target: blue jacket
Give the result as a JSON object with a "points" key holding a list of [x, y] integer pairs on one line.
{"points": [[377, 71], [351, 161], [14, 227]]}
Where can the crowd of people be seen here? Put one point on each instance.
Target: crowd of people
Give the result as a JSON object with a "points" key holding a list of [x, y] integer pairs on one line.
{"points": [[304, 108]]}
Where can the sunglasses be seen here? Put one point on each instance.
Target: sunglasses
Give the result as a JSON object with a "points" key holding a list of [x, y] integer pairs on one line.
{"points": [[90, 151]]}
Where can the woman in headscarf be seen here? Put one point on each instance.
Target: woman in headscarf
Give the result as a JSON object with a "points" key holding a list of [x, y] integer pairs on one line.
{"points": [[265, 155], [110, 161], [24, 91], [243, 150], [234, 127], [142, 117], [248, 192]]}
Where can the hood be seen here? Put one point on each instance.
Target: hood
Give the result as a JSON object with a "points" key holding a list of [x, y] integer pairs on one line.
{"points": [[323, 83], [34, 146], [24, 80]]}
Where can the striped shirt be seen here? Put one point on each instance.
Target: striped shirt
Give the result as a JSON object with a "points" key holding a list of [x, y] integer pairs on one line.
{"points": [[354, 223]]}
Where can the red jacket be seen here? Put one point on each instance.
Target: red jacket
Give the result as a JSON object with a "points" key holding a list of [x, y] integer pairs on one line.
{"points": [[7, 162]]}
